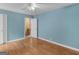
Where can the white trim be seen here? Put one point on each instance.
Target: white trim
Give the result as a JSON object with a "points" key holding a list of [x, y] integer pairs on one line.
{"points": [[75, 49], [1, 29], [4, 17], [72, 48], [5, 27], [25, 28], [15, 40]]}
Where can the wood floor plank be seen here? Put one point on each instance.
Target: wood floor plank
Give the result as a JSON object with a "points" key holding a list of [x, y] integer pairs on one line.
{"points": [[33, 46]]}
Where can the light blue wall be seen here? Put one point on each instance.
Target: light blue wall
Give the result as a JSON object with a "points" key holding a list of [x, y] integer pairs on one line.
{"points": [[61, 25], [15, 23]]}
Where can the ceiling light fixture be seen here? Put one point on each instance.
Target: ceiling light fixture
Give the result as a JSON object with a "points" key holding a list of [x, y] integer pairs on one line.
{"points": [[33, 6]]}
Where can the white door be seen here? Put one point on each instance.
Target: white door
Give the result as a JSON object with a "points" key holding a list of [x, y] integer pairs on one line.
{"points": [[1, 28], [34, 27]]}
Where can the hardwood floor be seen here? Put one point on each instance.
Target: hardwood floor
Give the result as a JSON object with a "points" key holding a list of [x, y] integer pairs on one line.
{"points": [[32, 46]]}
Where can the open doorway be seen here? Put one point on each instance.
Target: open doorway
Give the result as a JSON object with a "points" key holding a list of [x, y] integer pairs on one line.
{"points": [[31, 31], [27, 27], [30, 27]]}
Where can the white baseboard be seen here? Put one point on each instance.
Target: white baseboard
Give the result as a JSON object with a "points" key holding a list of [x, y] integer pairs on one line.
{"points": [[75, 49], [16, 40], [53, 42]]}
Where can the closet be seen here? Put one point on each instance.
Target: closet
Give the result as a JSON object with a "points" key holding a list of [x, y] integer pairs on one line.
{"points": [[3, 28]]}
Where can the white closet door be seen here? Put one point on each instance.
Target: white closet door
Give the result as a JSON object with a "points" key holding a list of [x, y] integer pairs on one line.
{"points": [[1, 28], [34, 27]]}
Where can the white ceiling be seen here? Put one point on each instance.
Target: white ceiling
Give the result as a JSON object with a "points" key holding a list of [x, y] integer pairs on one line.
{"points": [[23, 7]]}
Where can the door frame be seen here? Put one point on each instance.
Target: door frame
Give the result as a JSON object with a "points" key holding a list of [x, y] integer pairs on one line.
{"points": [[25, 26], [5, 28], [4, 24]]}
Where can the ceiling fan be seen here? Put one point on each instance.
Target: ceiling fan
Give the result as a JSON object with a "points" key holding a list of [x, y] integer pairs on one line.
{"points": [[31, 7]]}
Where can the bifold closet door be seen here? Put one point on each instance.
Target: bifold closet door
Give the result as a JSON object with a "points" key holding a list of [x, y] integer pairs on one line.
{"points": [[3, 28]]}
